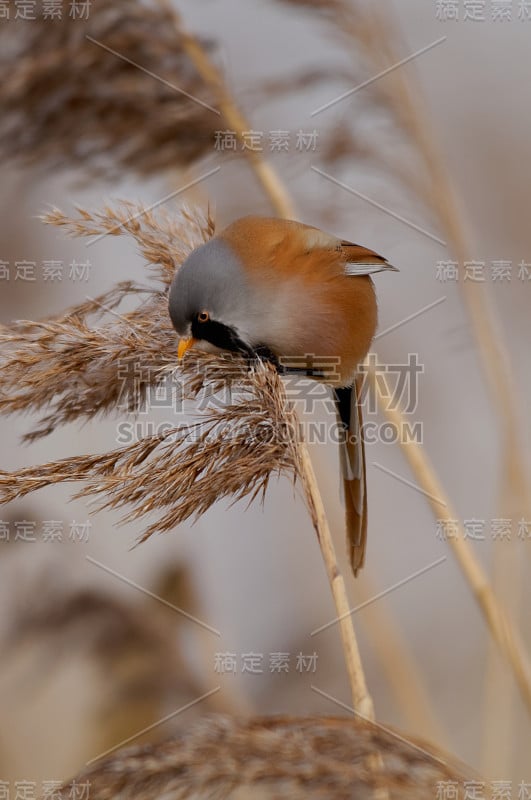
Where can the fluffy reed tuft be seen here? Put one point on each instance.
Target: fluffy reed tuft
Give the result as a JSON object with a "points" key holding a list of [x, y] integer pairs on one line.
{"points": [[133, 643], [231, 451], [280, 757], [77, 371], [125, 119]]}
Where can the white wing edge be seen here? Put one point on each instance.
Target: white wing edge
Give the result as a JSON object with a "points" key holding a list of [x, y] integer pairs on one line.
{"points": [[358, 268]]}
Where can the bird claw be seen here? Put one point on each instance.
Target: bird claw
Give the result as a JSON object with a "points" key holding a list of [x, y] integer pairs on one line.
{"points": [[263, 353]]}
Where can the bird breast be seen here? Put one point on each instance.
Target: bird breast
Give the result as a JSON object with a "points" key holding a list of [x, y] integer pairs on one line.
{"points": [[334, 319]]}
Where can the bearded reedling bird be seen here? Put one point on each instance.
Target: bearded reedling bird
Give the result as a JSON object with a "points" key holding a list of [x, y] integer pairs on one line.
{"points": [[283, 290]]}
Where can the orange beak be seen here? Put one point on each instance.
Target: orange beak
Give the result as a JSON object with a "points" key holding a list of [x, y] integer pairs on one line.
{"points": [[184, 345]]}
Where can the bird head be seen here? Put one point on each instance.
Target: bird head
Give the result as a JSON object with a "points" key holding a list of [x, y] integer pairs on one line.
{"points": [[210, 301]]}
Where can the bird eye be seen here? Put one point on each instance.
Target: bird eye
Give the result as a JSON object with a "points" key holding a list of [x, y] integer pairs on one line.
{"points": [[203, 316]]}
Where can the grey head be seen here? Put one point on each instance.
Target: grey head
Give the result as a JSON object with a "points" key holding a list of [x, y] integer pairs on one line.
{"points": [[212, 283]]}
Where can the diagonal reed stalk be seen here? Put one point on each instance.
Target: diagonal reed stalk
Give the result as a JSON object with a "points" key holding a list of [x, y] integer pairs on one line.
{"points": [[265, 173], [360, 695], [504, 634]]}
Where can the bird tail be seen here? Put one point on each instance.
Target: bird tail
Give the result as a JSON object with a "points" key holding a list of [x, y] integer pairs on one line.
{"points": [[353, 470]]}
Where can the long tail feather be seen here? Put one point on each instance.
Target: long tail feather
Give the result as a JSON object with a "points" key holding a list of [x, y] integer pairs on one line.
{"points": [[354, 473]]}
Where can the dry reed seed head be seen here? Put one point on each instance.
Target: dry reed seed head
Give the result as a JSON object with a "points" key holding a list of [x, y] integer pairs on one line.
{"points": [[277, 757], [229, 452], [107, 628], [131, 645], [74, 370], [124, 117], [164, 237], [88, 361], [95, 620]]}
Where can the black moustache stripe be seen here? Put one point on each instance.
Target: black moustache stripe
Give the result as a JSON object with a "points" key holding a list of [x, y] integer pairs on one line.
{"points": [[220, 335]]}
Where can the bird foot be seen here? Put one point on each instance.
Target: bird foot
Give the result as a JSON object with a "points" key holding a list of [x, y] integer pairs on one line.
{"points": [[264, 353]]}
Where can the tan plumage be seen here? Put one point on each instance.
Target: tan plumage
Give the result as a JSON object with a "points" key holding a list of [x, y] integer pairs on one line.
{"points": [[301, 270], [299, 292]]}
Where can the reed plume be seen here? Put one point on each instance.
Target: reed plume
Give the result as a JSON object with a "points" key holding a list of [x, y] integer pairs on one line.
{"points": [[75, 371], [138, 103], [279, 757], [132, 643], [79, 364]]}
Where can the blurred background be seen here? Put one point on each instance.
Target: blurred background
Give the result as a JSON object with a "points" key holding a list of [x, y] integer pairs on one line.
{"points": [[93, 650]]}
